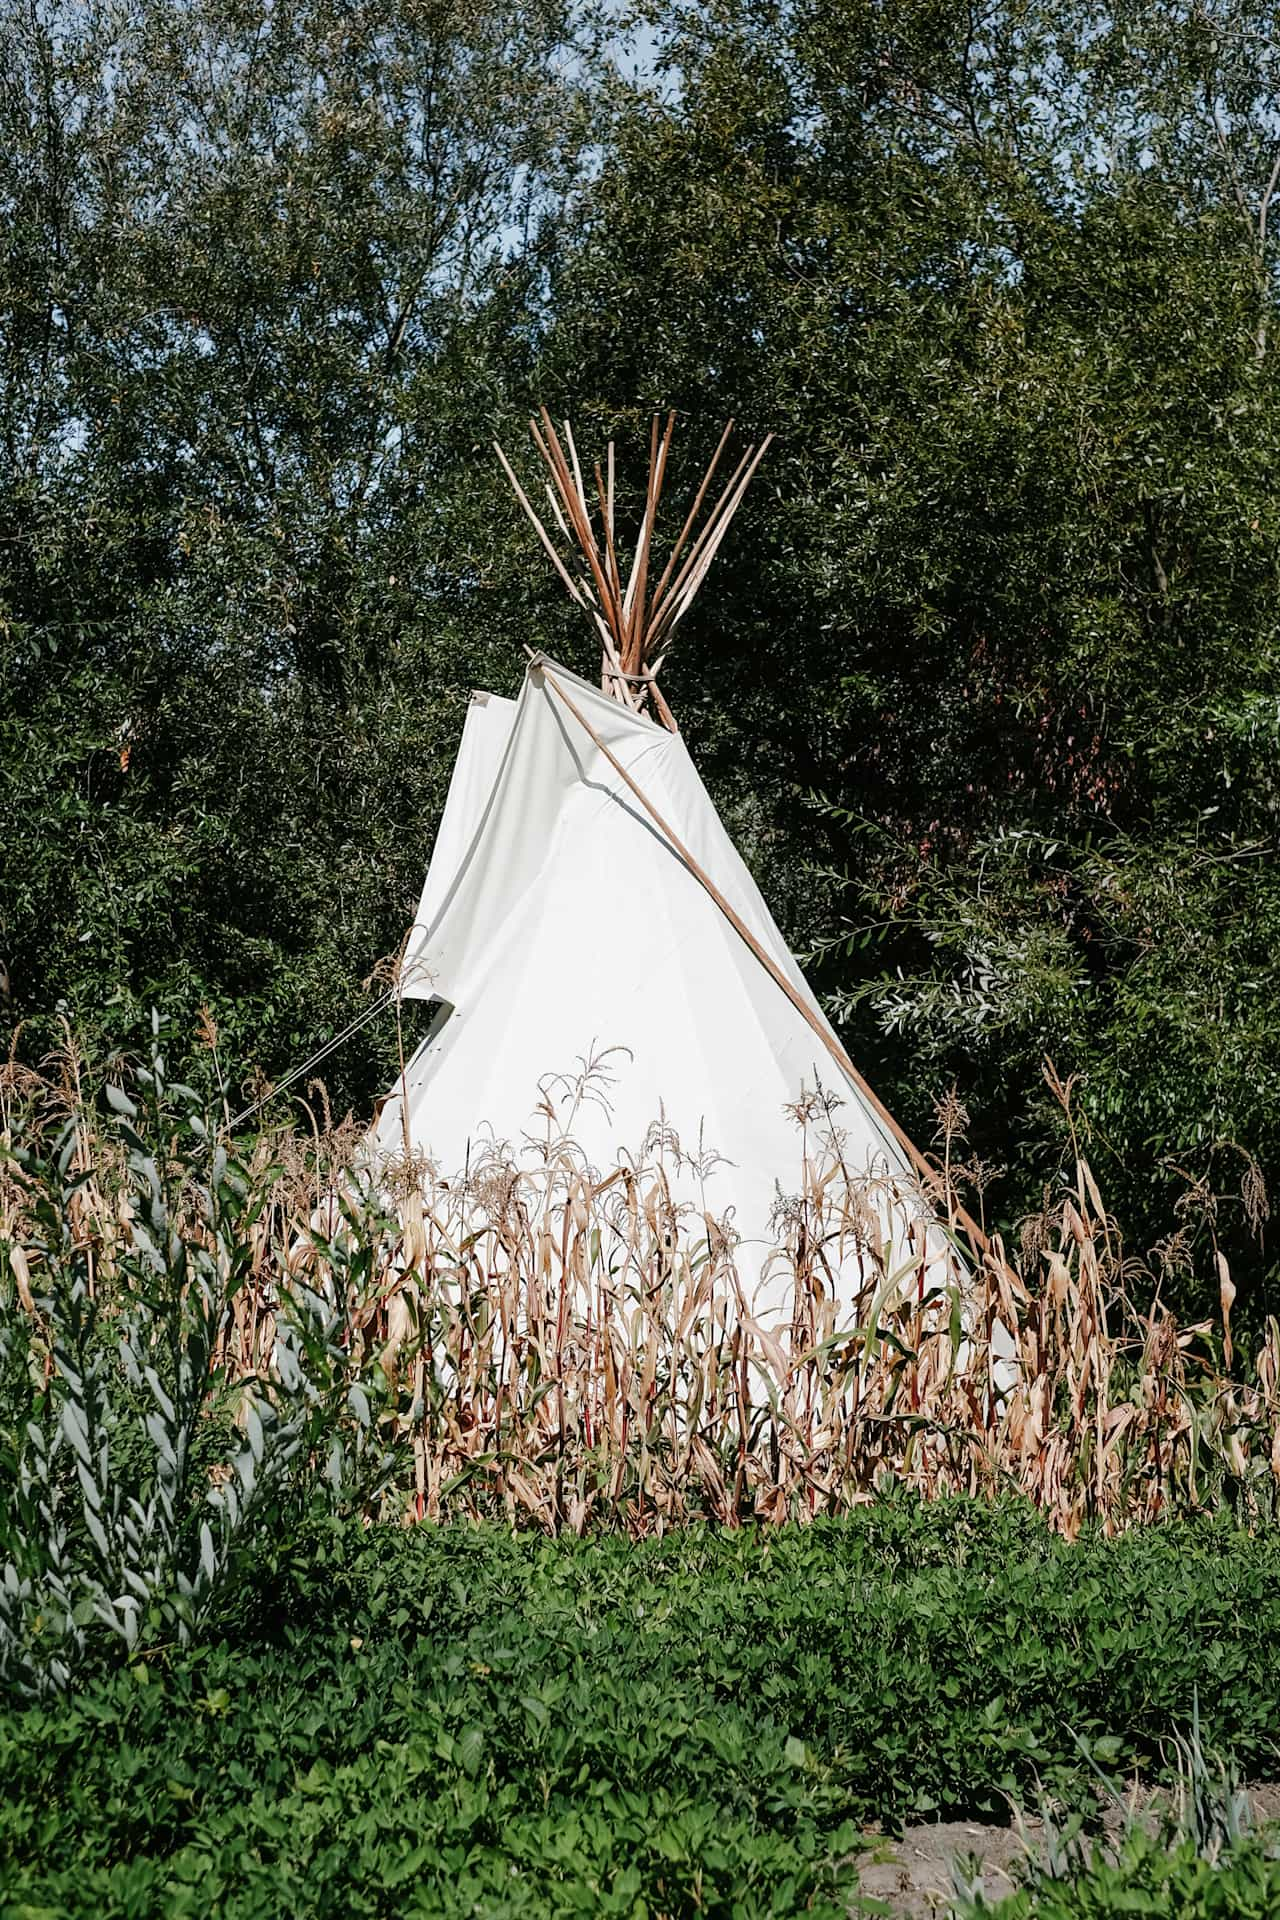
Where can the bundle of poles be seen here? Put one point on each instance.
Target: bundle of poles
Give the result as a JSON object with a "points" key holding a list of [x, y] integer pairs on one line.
{"points": [[636, 625]]}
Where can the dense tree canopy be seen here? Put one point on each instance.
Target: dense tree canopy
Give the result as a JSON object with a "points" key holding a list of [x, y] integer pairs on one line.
{"points": [[267, 272], [986, 683]]}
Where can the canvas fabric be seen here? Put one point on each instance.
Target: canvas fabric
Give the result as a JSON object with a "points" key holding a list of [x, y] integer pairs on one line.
{"points": [[594, 985]]}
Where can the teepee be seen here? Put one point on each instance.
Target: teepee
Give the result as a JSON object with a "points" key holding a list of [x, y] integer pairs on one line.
{"points": [[602, 962]]}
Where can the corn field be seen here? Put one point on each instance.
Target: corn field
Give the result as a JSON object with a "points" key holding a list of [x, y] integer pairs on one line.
{"points": [[572, 1351]]}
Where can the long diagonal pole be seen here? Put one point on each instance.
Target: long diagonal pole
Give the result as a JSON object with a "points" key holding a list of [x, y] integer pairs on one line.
{"points": [[927, 1172]]}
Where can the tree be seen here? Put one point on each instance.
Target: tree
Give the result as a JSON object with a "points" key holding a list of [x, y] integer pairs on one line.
{"points": [[269, 273], [1002, 280]]}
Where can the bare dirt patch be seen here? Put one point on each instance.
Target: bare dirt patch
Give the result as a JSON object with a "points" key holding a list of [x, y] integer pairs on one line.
{"points": [[915, 1876]]}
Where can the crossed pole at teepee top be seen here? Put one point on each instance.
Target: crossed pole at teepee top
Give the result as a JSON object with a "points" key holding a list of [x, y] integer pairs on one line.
{"points": [[636, 626]]}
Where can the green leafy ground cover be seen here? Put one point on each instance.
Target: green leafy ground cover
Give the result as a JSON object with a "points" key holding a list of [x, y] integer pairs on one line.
{"points": [[452, 1722], [1148, 1878]]}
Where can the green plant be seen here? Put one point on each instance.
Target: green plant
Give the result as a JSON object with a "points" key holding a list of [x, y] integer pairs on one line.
{"points": [[458, 1719], [1200, 1856], [1166, 1882], [138, 1457], [1211, 1808]]}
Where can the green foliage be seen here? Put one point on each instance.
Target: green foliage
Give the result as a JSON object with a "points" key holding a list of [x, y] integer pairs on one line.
{"points": [[1174, 1883], [1200, 1856], [264, 280], [136, 1468], [449, 1721]]}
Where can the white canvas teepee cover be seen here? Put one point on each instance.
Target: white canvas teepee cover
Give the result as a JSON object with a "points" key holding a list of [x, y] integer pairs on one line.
{"points": [[559, 924]]}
